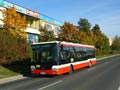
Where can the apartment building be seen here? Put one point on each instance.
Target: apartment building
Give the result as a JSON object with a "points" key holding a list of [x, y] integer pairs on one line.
{"points": [[35, 20]]}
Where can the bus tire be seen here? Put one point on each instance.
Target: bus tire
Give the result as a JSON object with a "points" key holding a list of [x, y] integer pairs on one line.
{"points": [[90, 64], [70, 70]]}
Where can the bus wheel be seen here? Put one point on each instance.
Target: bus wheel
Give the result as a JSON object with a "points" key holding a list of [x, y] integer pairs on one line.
{"points": [[90, 64], [71, 69]]}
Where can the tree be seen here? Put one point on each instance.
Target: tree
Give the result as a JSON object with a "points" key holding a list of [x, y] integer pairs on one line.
{"points": [[14, 22], [46, 35], [11, 48], [97, 34], [116, 44], [13, 37], [68, 33], [91, 38], [84, 25], [96, 29], [103, 43], [81, 36], [101, 40]]}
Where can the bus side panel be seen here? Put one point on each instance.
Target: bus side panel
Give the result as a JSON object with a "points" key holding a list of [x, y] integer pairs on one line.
{"points": [[60, 71], [93, 61], [63, 70], [81, 65]]}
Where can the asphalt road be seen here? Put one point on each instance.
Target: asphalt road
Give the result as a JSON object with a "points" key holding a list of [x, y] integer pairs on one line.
{"points": [[105, 75]]}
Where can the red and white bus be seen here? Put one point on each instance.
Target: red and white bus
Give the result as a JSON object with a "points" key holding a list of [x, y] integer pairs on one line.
{"points": [[56, 58]]}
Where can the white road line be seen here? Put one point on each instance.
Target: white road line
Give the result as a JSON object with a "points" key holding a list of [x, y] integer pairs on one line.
{"points": [[119, 88], [90, 69], [50, 85], [106, 62]]}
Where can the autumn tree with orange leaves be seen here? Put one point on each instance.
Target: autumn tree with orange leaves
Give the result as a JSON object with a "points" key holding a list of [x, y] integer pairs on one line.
{"points": [[68, 33], [12, 37], [14, 22], [84, 35]]}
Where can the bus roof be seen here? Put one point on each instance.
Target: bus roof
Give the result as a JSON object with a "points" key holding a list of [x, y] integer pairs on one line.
{"points": [[46, 42], [65, 44]]}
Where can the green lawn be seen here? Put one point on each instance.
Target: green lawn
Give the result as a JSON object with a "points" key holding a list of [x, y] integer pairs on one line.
{"points": [[18, 68], [5, 72], [102, 56]]}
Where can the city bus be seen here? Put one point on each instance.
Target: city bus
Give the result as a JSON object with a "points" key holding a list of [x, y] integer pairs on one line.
{"points": [[60, 57]]}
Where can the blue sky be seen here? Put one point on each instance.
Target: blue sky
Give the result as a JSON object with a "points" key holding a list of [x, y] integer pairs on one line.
{"points": [[106, 13]]}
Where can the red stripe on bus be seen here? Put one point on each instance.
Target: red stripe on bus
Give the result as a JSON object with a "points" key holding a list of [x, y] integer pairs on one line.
{"points": [[45, 72], [82, 46], [63, 70], [82, 65], [93, 62]]}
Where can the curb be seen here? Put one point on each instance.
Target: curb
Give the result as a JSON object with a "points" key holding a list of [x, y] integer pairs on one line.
{"points": [[107, 57], [12, 78]]}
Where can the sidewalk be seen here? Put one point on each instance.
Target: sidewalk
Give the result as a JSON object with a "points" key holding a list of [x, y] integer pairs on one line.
{"points": [[8, 79], [108, 57]]}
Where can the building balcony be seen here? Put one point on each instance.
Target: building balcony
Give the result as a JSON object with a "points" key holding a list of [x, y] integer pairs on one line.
{"points": [[32, 30]]}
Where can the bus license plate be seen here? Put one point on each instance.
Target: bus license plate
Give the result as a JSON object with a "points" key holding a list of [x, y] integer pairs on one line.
{"points": [[43, 73]]}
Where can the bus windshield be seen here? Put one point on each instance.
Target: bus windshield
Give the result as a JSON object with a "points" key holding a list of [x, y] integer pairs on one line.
{"points": [[42, 53]]}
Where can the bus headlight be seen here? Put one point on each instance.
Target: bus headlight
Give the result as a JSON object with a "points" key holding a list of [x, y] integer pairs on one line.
{"points": [[32, 67]]}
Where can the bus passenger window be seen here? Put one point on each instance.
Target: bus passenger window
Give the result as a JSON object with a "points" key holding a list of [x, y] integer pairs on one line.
{"points": [[63, 57], [78, 55]]}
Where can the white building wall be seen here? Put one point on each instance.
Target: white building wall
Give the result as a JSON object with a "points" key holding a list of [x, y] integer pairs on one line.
{"points": [[28, 30], [1, 16], [42, 23], [32, 30]]}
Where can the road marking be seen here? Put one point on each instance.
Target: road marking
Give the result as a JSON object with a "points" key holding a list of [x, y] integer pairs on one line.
{"points": [[50, 85], [119, 88], [90, 69], [106, 62]]}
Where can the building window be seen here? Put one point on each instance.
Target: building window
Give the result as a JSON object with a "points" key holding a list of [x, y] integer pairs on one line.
{"points": [[32, 22], [48, 27], [57, 29], [32, 37]]}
